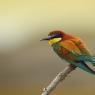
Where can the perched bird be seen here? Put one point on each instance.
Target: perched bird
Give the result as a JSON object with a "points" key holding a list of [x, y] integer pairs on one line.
{"points": [[72, 49]]}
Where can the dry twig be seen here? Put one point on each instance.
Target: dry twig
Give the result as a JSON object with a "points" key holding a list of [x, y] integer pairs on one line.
{"points": [[59, 78]]}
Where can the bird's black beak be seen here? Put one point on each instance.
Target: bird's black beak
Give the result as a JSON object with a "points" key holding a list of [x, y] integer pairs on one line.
{"points": [[44, 39], [48, 38], [51, 37]]}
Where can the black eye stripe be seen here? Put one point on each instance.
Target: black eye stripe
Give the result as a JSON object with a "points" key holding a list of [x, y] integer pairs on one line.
{"points": [[57, 36]]}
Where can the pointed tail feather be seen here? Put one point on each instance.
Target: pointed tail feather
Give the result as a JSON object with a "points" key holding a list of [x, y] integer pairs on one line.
{"points": [[84, 67], [93, 61], [88, 68], [87, 58]]}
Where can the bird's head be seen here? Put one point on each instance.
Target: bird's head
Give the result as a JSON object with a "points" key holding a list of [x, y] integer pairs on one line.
{"points": [[54, 37]]}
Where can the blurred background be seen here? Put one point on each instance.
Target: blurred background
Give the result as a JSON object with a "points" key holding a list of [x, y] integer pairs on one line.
{"points": [[28, 65]]}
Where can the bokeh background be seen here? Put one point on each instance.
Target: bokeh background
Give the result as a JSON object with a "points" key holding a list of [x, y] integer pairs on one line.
{"points": [[28, 65]]}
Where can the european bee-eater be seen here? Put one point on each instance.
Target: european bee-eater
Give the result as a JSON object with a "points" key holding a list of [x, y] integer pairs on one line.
{"points": [[72, 49]]}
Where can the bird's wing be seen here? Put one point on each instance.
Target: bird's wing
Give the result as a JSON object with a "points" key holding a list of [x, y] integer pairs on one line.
{"points": [[73, 53], [68, 50], [70, 46], [86, 54], [82, 47]]}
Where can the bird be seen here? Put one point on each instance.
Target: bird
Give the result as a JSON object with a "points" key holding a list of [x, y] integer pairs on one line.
{"points": [[71, 49]]}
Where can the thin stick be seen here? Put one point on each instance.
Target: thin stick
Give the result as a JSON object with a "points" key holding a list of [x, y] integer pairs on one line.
{"points": [[59, 78]]}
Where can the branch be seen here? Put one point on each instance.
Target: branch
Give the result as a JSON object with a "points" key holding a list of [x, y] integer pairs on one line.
{"points": [[59, 78]]}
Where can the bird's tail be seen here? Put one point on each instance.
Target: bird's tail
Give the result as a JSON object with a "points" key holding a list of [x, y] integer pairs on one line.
{"points": [[92, 60], [82, 65], [88, 69], [87, 58]]}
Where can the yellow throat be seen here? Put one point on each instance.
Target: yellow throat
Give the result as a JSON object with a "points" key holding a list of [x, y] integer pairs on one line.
{"points": [[54, 40]]}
